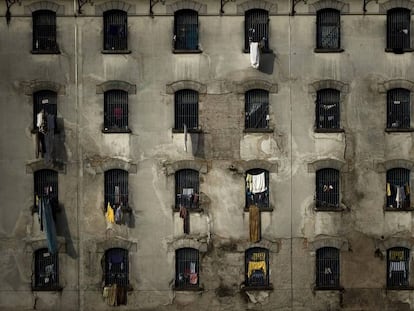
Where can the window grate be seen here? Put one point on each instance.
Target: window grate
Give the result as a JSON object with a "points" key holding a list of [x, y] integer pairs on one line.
{"points": [[257, 109], [398, 267], [186, 109], [398, 29], [398, 108], [45, 185], [327, 188], [116, 267], [44, 31], [116, 187], [327, 109], [256, 28], [186, 268], [46, 101], [257, 188], [327, 267], [187, 188], [115, 30], [116, 110], [398, 188], [46, 270], [186, 30], [257, 267], [328, 23]]}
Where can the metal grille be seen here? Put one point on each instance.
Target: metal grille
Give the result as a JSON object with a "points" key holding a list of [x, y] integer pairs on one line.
{"points": [[257, 267], [398, 108], [46, 185], [116, 110], [46, 100], [398, 29], [44, 31], [186, 109], [328, 33], [398, 267], [327, 109], [260, 199], [398, 188], [257, 109], [327, 267], [327, 188], [116, 187], [187, 188], [186, 268], [46, 269], [115, 30], [186, 30], [116, 267], [256, 28]]}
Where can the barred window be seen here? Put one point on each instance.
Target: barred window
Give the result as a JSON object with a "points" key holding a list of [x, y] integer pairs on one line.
{"points": [[328, 33], [46, 270], [45, 101], [186, 30], [186, 109], [398, 188], [44, 31], [116, 111], [115, 30], [187, 268], [257, 109], [327, 188], [256, 28], [187, 188], [46, 186], [327, 109], [116, 267], [398, 29], [398, 267], [327, 267], [116, 187], [398, 108], [257, 267], [257, 188]]}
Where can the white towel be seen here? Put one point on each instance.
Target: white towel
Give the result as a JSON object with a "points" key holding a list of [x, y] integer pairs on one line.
{"points": [[397, 266], [258, 183], [254, 54]]}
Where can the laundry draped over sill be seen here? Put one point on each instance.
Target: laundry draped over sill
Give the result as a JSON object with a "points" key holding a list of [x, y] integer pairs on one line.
{"points": [[254, 54], [254, 223], [45, 136], [46, 209], [115, 295]]}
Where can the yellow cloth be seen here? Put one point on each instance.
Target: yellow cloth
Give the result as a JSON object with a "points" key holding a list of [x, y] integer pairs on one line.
{"points": [[254, 223], [388, 189], [407, 189], [249, 182], [256, 265], [110, 216]]}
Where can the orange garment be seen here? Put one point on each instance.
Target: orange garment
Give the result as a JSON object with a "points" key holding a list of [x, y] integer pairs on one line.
{"points": [[256, 265], [254, 223]]}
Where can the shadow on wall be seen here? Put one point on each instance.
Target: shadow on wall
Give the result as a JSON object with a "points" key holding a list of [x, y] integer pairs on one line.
{"points": [[60, 150], [266, 64], [62, 229]]}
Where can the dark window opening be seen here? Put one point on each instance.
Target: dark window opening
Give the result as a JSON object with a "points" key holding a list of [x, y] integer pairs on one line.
{"points": [[327, 188], [327, 109], [257, 267], [398, 29], [116, 274], [187, 188], [44, 102], [256, 28], [46, 276], [328, 29], [115, 30], [257, 109], [186, 110], [116, 110], [398, 109], [186, 268], [398, 188], [398, 267], [117, 208], [44, 31], [46, 188], [186, 30], [257, 188], [327, 267]]}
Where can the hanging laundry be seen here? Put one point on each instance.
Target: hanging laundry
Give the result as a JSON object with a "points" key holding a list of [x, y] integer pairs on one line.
{"points": [[193, 278], [186, 219], [110, 217], [254, 54], [118, 215], [49, 225], [388, 189], [397, 266], [254, 223], [258, 183], [249, 182], [256, 265], [400, 196], [116, 194]]}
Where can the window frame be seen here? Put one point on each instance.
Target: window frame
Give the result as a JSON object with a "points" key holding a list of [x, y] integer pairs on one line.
{"points": [[115, 44], [335, 270], [183, 256], [38, 36], [401, 96], [262, 123], [328, 17], [189, 41], [391, 284], [328, 97], [39, 269], [257, 36], [186, 110], [398, 177], [116, 122], [265, 284], [397, 40], [330, 202], [187, 179], [262, 203]]}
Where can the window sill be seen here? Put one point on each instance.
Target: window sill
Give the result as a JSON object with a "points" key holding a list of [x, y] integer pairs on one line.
{"points": [[319, 288], [188, 289], [400, 288], [116, 131], [177, 131], [263, 51], [321, 50], [116, 51], [190, 209], [395, 209], [329, 209], [47, 289], [261, 209], [396, 130], [258, 130], [36, 130], [323, 130], [258, 288], [45, 52], [398, 51], [187, 51]]}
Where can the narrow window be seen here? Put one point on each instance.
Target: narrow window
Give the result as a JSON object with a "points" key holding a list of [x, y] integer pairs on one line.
{"points": [[186, 109], [115, 30], [116, 188], [116, 274], [398, 267], [398, 29], [186, 268], [257, 109], [257, 267], [327, 188], [44, 32], [46, 188], [327, 109], [46, 270], [116, 111], [186, 30], [398, 188], [256, 28], [328, 29], [398, 109], [327, 267], [46, 102], [257, 188], [187, 188]]}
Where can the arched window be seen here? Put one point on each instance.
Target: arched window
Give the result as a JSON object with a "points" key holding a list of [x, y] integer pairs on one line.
{"points": [[257, 267], [116, 111], [257, 188], [44, 32], [186, 30], [398, 109], [327, 109], [328, 33], [327, 267], [115, 30], [116, 275], [327, 189], [398, 267], [256, 28], [116, 187], [398, 188], [257, 109], [187, 268], [186, 109], [187, 191]]}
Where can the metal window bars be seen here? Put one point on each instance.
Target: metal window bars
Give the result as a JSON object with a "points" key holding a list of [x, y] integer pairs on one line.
{"points": [[328, 23], [327, 267], [44, 31], [46, 270], [256, 28], [398, 267], [116, 110], [115, 30], [186, 109], [46, 101], [398, 29], [327, 109], [186, 30], [187, 188], [327, 189], [257, 197], [257, 109], [257, 267], [398, 188], [398, 109], [45, 185], [116, 267], [186, 268], [116, 187]]}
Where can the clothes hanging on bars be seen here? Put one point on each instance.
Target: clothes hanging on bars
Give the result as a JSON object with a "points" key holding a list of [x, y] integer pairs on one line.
{"points": [[254, 223], [254, 54], [50, 228]]}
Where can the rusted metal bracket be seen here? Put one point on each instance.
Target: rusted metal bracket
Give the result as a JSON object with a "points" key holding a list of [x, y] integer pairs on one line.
{"points": [[81, 3], [9, 4], [222, 4], [152, 3], [294, 2], [364, 8]]}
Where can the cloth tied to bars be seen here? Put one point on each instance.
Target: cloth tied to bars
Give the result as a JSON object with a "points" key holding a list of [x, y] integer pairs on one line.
{"points": [[49, 225], [256, 265], [254, 223], [397, 266], [254, 54], [257, 183]]}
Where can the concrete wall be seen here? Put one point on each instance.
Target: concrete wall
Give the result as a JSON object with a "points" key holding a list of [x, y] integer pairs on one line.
{"points": [[151, 152]]}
